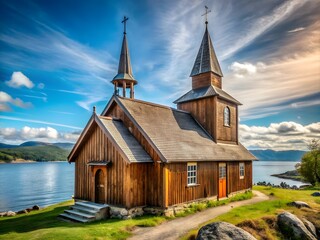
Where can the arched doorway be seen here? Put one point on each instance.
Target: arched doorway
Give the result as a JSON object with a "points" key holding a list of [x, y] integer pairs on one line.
{"points": [[99, 187]]}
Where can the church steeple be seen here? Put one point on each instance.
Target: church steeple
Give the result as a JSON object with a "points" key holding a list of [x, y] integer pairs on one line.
{"points": [[124, 79], [206, 70]]}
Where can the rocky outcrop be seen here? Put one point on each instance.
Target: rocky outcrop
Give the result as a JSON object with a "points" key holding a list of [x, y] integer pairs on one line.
{"points": [[291, 226], [223, 231], [309, 225], [11, 213], [316, 194], [299, 204]]}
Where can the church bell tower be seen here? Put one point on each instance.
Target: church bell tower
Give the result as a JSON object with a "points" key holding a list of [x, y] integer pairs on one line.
{"points": [[212, 107], [124, 79]]}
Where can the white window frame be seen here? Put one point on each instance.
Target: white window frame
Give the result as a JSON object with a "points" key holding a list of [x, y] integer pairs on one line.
{"points": [[241, 170], [192, 169], [226, 116]]}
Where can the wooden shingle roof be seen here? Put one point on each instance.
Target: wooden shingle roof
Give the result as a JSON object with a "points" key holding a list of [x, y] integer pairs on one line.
{"points": [[206, 92], [176, 136], [124, 139]]}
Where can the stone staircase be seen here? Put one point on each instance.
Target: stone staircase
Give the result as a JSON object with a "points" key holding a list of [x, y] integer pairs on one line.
{"points": [[86, 212]]}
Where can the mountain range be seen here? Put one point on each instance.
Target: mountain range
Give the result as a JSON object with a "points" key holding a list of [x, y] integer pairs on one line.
{"points": [[42, 151]]}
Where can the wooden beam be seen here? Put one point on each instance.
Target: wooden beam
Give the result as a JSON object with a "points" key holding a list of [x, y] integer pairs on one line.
{"points": [[131, 90], [165, 186], [124, 87]]}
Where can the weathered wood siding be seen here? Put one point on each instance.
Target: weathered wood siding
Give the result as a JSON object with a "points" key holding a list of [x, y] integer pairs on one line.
{"points": [[203, 110], [153, 172], [178, 190], [205, 80], [234, 182], [226, 133], [98, 147]]}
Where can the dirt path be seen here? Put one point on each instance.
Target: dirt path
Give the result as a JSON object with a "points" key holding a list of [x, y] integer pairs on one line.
{"points": [[178, 227]]}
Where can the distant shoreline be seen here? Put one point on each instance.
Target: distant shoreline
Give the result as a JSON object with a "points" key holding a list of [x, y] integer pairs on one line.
{"points": [[27, 161], [292, 175], [20, 160]]}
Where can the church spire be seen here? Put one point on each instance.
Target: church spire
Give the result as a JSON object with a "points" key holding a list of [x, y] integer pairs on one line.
{"points": [[206, 60], [124, 78], [206, 70]]}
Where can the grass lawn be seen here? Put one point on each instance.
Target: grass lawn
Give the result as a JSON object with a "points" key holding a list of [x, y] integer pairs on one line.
{"points": [[259, 219], [44, 224]]}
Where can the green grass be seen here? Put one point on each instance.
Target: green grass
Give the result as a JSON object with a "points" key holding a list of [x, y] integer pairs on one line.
{"points": [[198, 207], [262, 213], [44, 224]]}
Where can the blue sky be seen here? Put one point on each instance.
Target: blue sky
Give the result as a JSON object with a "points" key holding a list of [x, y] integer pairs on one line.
{"points": [[58, 58]]}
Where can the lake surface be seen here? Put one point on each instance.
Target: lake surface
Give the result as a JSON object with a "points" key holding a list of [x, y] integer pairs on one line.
{"points": [[44, 183]]}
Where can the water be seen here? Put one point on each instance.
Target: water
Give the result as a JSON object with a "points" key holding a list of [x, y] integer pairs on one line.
{"points": [[263, 169], [26, 184]]}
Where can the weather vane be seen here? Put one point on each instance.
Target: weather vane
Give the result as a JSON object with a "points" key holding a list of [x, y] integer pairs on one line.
{"points": [[124, 21], [206, 13]]}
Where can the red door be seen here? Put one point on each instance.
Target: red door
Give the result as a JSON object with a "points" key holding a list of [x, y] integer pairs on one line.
{"points": [[222, 180]]}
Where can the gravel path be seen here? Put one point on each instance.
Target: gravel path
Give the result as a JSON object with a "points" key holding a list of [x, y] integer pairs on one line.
{"points": [[178, 227]]}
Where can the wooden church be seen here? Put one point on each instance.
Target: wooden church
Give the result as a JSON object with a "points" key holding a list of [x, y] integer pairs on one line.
{"points": [[138, 153]]}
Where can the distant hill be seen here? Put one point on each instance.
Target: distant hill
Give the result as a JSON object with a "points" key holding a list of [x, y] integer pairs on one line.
{"points": [[3, 145], [36, 151], [34, 143], [271, 155]]}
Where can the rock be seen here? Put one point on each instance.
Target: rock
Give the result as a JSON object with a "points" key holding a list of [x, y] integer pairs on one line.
{"points": [[35, 207], [309, 225], [291, 226], [10, 214], [3, 214], [22, 211], [299, 204], [223, 231], [316, 194], [124, 212]]}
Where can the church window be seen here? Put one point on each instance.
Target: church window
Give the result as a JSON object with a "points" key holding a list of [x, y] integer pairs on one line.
{"points": [[192, 174], [226, 118], [241, 170]]}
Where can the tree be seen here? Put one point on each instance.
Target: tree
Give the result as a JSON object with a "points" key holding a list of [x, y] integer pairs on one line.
{"points": [[310, 163]]}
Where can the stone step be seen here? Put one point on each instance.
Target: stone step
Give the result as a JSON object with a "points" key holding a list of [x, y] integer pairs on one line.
{"points": [[93, 206], [84, 209], [73, 218], [79, 214]]}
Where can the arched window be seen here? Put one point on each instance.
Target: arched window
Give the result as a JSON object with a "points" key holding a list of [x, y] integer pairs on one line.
{"points": [[226, 119]]}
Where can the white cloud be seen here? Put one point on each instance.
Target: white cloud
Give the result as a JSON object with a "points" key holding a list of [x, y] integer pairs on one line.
{"points": [[6, 99], [279, 136], [18, 79], [296, 30], [241, 70], [45, 134], [38, 121], [263, 24]]}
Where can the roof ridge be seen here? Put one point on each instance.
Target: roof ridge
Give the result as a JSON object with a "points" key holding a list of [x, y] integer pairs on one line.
{"points": [[153, 104]]}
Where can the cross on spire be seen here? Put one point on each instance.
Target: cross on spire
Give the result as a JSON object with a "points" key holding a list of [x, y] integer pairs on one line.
{"points": [[124, 21], [206, 13]]}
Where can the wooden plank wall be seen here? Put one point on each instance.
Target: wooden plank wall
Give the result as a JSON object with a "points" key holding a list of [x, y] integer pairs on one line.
{"points": [[203, 111], [153, 172], [226, 133], [178, 190], [205, 80], [98, 148], [234, 182]]}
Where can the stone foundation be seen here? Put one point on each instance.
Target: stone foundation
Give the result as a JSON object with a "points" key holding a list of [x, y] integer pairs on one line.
{"points": [[123, 213]]}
